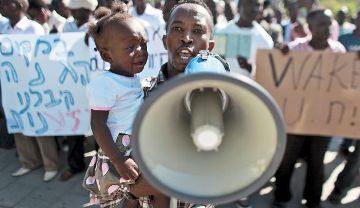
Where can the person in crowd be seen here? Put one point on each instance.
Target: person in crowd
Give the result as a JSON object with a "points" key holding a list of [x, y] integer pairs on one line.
{"points": [[42, 150], [342, 16], [114, 98], [348, 175], [308, 5], [81, 12], [295, 28], [60, 7], [271, 26], [159, 4], [82, 16], [143, 10], [312, 147], [6, 139], [51, 21], [168, 5], [247, 26]]}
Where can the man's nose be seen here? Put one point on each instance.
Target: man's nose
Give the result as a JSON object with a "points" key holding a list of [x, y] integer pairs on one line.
{"points": [[187, 38]]}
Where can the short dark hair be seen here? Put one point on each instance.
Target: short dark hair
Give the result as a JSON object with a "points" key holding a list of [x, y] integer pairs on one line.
{"points": [[37, 4], [197, 2]]}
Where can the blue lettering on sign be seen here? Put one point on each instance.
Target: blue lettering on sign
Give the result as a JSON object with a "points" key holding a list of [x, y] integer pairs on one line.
{"points": [[53, 102], [69, 99], [25, 50], [27, 102], [42, 43], [10, 67], [39, 97], [84, 78], [68, 70], [17, 118], [31, 120], [40, 79], [7, 48], [63, 53], [44, 127]]}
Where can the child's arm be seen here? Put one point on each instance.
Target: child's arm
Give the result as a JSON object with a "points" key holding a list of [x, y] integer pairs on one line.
{"points": [[126, 167]]}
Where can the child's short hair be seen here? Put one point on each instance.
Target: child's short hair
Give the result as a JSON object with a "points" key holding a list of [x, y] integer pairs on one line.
{"points": [[116, 15]]}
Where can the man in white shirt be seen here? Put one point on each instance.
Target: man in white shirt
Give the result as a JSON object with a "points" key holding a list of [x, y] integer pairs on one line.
{"points": [[52, 22], [145, 11], [247, 26], [32, 152], [18, 22], [82, 15]]}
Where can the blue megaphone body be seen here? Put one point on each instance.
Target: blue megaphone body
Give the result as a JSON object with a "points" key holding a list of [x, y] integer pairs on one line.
{"points": [[206, 61]]}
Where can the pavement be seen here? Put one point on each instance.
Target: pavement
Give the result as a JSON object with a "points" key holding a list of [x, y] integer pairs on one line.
{"points": [[29, 191]]}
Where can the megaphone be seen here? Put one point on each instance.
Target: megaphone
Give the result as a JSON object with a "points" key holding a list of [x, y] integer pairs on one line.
{"points": [[208, 137]]}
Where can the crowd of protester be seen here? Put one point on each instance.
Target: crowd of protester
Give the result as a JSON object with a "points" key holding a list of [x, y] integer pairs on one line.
{"points": [[302, 25]]}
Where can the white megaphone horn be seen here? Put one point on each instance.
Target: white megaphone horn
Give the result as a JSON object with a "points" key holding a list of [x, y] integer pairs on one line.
{"points": [[208, 136]]}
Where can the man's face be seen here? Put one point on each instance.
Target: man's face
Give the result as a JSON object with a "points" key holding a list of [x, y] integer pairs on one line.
{"points": [[9, 8], [140, 3], [61, 8], [249, 9], [81, 15], [341, 17], [320, 26], [189, 30]]}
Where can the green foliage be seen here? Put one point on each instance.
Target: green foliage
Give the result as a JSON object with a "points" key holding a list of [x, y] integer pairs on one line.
{"points": [[335, 5]]}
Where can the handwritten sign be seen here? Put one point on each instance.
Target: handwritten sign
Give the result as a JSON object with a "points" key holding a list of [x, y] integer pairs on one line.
{"points": [[43, 81], [318, 92]]}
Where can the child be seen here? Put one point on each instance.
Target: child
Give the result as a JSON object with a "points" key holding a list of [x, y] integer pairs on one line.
{"points": [[114, 98]]}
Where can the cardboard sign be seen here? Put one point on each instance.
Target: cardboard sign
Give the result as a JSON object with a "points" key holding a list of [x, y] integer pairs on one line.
{"points": [[318, 92], [43, 81]]}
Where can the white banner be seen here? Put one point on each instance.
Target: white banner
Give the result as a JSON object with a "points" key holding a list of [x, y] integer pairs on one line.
{"points": [[43, 81]]}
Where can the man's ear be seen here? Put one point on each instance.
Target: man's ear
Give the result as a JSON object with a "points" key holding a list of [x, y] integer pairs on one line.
{"points": [[211, 45], [105, 55], [164, 41]]}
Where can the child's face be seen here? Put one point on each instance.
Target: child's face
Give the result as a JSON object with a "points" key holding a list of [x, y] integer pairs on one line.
{"points": [[189, 31], [127, 48]]}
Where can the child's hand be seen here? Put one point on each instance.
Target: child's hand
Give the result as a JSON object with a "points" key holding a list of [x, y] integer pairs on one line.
{"points": [[127, 169]]}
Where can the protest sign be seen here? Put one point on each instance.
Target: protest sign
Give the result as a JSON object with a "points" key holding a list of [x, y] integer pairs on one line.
{"points": [[43, 81], [318, 92]]}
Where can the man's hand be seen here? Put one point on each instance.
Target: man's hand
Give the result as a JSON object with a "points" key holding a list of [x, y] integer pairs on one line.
{"points": [[284, 48], [244, 63]]}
